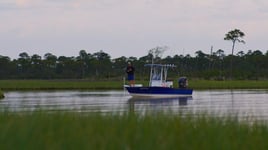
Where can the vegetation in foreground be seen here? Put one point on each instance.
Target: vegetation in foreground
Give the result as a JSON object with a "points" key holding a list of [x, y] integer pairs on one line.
{"points": [[42, 130], [1, 94], [109, 85]]}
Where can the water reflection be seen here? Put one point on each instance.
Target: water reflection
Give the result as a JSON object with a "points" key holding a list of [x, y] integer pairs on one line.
{"points": [[157, 104], [90, 101], [241, 103], [160, 101]]}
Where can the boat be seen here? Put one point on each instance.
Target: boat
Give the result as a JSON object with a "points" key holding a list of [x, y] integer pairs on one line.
{"points": [[158, 84]]}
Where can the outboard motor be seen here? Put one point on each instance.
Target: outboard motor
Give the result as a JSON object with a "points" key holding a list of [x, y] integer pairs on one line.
{"points": [[182, 82]]}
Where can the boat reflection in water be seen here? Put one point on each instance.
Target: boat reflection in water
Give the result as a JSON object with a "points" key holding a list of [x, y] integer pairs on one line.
{"points": [[145, 104]]}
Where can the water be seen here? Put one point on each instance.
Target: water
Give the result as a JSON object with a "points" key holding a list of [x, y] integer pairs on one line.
{"points": [[245, 104]]}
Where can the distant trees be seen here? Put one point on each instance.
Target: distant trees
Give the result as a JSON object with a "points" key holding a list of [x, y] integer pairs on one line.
{"points": [[99, 65], [234, 36], [156, 53]]}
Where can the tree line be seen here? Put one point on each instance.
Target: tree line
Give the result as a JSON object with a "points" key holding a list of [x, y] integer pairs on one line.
{"points": [[99, 66]]}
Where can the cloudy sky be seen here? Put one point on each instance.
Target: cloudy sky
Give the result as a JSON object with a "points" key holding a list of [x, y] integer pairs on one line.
{"points": [[129, 27]]}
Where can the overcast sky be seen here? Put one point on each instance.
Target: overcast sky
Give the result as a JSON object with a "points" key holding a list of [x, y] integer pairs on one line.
{"points": [[129, 27]]}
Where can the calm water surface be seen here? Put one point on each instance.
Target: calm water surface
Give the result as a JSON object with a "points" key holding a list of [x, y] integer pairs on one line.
{"points": [[242, 103]]}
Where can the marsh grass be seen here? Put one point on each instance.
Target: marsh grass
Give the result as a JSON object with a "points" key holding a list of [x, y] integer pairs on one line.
{"points": [[108, 85], [1, 94], [72, 130], [229, 84], [58, 85]]}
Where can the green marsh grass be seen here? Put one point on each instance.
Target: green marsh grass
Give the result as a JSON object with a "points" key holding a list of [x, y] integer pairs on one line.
{"points": [[72, 130], [108, 85], [1, 94], [229, 84], [58, 85]]}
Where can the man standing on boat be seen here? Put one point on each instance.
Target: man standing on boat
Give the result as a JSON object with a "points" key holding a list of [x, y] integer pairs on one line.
{"points": [[130, 74]]}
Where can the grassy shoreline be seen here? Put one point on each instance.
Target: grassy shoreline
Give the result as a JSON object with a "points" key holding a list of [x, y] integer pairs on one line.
{"points": [[8, 85], [2, 95], [41, 130]]}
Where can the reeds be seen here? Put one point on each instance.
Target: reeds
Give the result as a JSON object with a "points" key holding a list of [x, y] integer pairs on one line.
{"points": [[73, 130], [1, 94], [58, 85], [229, 84], [108, 85]]}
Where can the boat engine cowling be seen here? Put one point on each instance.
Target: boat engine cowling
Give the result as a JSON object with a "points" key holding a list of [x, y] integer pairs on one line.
{"points": [[183, 82]]}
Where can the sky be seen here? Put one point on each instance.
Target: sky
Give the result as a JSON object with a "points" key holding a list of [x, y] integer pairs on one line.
{"points": [[129, 27]]}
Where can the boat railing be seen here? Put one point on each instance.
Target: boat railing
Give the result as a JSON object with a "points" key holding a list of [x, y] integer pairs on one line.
{"points": [[158, 75], [160, 83]]}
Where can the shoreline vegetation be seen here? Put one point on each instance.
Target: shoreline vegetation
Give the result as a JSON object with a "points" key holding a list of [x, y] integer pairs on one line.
{"points": [[2, 95], [11, 85], [72, 130]]}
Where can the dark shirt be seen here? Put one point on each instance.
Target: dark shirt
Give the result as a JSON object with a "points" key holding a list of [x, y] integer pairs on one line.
{"points": [[130, 70]]}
